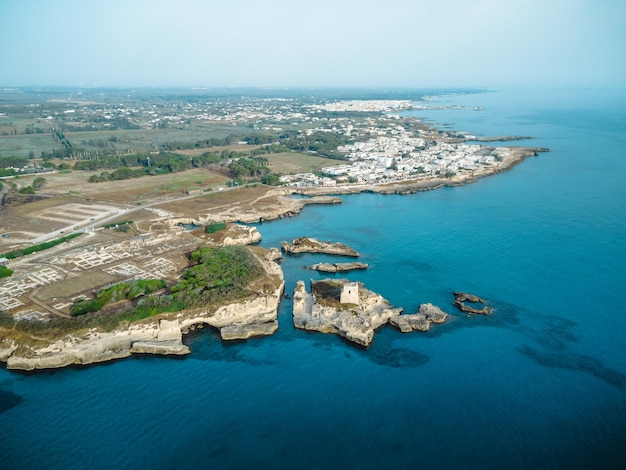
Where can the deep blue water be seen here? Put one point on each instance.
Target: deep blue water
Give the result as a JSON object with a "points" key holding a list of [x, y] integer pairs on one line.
{"points": [[539, 383]]}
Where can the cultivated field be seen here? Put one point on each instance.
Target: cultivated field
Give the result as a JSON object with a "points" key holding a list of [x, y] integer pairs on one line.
{"points": [[22, 145]]}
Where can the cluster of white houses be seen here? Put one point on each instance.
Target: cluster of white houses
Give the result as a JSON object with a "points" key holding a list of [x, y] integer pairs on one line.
{"points": [[401, 157]]}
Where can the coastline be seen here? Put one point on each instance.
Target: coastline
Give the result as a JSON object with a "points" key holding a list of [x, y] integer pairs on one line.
{"points": [[518, 155], [162, 335]]}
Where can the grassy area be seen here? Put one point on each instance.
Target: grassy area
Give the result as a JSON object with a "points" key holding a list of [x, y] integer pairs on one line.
{"points": [[293, 162], [216, 227], [149, 139], [220, 148]]}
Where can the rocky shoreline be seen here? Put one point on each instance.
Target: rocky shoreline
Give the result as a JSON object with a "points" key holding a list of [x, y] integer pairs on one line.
{"points": [[256, 316]]}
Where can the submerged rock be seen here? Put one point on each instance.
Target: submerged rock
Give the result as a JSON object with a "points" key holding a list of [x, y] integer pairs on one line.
{"points": [[461, 297]]}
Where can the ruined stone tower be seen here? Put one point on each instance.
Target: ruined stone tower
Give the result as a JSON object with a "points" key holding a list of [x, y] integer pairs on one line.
{"points": [[350, 293]]}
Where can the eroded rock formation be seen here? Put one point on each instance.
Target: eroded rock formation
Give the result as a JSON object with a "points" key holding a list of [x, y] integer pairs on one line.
{"points": [[426, 314]]}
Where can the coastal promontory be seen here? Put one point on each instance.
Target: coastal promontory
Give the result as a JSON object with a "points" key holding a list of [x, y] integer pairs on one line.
{"points": [[234, 289]]}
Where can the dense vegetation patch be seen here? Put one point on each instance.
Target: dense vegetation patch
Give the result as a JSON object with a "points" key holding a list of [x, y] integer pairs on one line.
{"points": [[35, 248], [219, 274], [123, 291]]}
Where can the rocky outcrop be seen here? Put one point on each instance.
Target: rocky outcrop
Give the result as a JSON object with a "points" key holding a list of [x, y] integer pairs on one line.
{"points": [[461, 297], [426, 314], [337, 267], [234, 234], [465, 297], [273, 254], [342, 307], [6, 349], [313, 245]]}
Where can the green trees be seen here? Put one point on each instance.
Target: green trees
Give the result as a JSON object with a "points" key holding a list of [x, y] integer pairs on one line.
{"points": [[122, 291], [220, 274], [135, 166], [40, 247], [26, 190], [247, 167]]}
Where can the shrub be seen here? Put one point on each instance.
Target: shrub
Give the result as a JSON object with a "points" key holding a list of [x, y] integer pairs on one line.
{"points": [[5, 272], [86, 306]]}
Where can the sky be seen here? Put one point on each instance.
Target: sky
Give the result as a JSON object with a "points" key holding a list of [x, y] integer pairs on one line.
{"points": [[314, 43]]}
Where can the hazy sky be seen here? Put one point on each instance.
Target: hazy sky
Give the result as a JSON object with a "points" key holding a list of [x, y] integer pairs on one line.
{"points": [[407, 43]]}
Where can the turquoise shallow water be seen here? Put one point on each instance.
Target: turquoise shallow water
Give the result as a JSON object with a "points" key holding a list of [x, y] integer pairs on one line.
{"points": [[540, 383]]}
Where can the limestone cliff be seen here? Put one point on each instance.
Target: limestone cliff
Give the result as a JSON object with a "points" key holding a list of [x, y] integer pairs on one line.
{"points": [[162, 337]]}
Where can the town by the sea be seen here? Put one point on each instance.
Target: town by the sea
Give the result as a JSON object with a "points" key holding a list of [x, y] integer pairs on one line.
{"points": [[538, 383]]}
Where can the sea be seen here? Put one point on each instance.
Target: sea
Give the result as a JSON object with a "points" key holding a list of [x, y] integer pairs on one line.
{"points": [[539, 383]]}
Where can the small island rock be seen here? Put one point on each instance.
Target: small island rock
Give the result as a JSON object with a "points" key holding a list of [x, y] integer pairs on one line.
{"points": [[313, 245], [337, 267], [342, 307]]}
